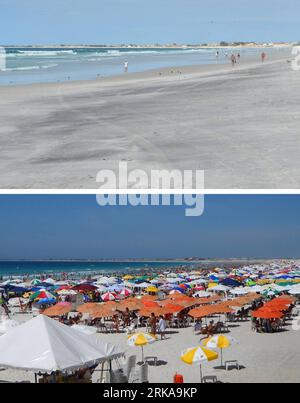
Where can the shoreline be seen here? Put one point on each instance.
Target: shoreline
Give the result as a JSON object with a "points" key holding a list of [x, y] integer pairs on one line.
{"points": [[220, 66], [179, 266]]}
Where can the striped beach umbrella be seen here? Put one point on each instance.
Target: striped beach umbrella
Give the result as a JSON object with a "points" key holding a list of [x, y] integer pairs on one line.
{"points": [[108, 296], [219, 341], [198, 355], [125, 292], [140, 340]]}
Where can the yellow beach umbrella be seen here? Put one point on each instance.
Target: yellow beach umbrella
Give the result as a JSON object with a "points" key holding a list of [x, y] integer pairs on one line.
{"points": [[140, 340], [197, 355], [219, 341], [152, 289], [128, 277]]}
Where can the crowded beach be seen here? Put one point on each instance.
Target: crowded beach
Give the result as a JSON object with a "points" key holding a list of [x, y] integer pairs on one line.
{"points": [[217, 325]]}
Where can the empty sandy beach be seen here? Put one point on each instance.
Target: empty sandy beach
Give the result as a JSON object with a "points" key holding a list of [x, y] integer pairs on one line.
{"points": [[240, 125]]}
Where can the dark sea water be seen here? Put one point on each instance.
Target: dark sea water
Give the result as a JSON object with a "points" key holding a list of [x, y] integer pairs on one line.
{"points": [[37, 268]]}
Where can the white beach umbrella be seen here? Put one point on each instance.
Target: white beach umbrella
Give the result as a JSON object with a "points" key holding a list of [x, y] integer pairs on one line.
{"points": [[50, 280], [219, 288], [15, 302], [142, 285], [66, 292], [101, 288], [239, 291], [202, 294], [295, 291]]}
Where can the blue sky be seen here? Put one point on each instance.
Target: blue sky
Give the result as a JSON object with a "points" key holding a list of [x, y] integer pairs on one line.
{"points": [[43, 227], [145, 21]]}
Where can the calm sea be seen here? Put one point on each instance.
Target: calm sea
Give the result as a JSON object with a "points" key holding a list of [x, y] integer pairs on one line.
{"points": [[37, 268]]}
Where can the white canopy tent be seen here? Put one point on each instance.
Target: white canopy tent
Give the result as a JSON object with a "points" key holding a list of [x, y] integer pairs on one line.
{"points": [[7, 324], [45, 345], [88, 330]]}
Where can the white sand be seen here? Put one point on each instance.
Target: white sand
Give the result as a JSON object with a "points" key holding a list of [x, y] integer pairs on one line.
{"points": [[266, 357], [240, 125]]}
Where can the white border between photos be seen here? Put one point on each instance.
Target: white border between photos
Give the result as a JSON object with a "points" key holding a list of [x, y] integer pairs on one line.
{"points": [[150, 191]]}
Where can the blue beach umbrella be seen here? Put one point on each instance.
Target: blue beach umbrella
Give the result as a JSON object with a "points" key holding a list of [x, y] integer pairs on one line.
{"points": [[47, 301]]}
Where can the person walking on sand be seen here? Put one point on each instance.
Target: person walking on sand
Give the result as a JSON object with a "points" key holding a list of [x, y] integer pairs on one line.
{"points": [[233, 60], [162, 324], [126, 66], [263, 57]]}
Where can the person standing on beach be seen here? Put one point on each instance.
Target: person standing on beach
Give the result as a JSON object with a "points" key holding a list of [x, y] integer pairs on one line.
{"points": [[126, 317], [162, 324], [152, 323], [233, 60], [126, 66], [263, 57]]}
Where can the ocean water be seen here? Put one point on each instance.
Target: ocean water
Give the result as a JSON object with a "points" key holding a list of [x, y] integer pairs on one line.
{"points": [[35, 65], [26, 268]]}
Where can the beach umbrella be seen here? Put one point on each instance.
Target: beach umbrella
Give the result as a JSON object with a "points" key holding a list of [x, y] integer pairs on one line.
{"points": [[15, 289], [176, 291], [202, 294], [132, 305], [198, 355], [66, 292], [84, 287], [58, 310], [108, 296], [231, 282], [265, 313], [219, 288], [201, 312], [157, 311], [89, 307], [152, 288], [128, 277], [140, 340], [125, 292], [219, 341], [103, 312], [35, 281], [42, 295], [46, 301], [172, 306], [150, 304]]}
